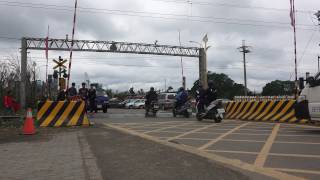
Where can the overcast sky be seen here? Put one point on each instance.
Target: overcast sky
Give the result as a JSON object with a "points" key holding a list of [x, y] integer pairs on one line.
{"points": [[264, 24]]}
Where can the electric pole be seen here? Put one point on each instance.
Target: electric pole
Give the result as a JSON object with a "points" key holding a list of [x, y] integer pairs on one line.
{"points": [[244, 49]]}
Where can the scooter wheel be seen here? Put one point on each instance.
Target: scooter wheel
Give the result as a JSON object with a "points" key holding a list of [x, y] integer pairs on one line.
{"points": [[186, 115], [218, 120], [199, 118]]}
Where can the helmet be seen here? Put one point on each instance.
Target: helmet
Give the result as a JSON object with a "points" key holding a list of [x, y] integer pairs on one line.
{"points": [[73, 84], [181, 89], [211, 84], [151, 88]]}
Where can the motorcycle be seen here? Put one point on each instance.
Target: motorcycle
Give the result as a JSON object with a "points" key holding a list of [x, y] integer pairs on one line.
{"points": [[214, 111], [153, 107], [184, 110]]}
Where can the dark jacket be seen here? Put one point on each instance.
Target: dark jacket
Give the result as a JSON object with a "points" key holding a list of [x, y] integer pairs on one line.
{"points": [[151, 96], [92, 94], [72, 92], [83, 93]]}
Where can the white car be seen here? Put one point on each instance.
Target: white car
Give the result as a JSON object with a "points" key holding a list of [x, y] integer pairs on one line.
{"points": [[139, 104], [130, 103]]}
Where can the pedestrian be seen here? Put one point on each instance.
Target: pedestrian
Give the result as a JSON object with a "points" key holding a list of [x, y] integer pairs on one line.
{"points": [[72, 91], [8, 102], [83, 92], [92, 94], [61, 95]]}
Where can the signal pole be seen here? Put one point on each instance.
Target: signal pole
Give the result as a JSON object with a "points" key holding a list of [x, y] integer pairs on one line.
{"points": [[244, 49]]}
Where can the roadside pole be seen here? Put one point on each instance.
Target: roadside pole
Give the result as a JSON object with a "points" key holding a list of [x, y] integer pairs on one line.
{"points": [[203, 68], [23, 73]]}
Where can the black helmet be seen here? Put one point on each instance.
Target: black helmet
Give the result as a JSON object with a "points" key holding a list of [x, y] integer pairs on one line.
{"points": [[151, 88], [210, 84], [73, 84]]}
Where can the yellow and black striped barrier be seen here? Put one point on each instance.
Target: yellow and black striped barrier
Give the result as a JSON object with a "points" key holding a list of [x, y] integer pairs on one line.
{"points": [[274, 111], [62, 113]]}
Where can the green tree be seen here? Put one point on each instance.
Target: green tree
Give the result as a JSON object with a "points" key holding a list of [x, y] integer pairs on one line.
{"points": [[226, 87], [278, 88]]}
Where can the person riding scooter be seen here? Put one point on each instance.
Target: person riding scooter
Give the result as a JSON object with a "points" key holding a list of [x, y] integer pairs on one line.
{"points": [[182, 106], [151, 97], [205, 97], [181, 97], [208, 106]]}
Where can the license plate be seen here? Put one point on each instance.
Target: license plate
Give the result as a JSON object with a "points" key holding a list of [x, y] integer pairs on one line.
{"points": [[99, 106], [221, 111], [189, 110], [156, 106]]}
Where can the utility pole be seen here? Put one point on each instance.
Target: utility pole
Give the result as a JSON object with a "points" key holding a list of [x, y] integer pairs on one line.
{"points": [[244, 49]]}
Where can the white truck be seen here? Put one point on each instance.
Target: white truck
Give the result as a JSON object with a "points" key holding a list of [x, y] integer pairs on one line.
{"points": [[308, 105]]}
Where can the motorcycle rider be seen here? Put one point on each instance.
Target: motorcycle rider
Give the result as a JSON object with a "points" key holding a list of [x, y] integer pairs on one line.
{"points": [[150, 96], [181, 97], [205, 97]]}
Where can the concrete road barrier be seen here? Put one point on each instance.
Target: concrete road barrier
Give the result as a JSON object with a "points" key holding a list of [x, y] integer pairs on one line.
{"points": [[274, 111], [62, 113]]}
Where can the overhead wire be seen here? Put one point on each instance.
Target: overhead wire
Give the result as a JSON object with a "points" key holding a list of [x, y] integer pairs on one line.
{"points": [[205, 3], [152, 15]]}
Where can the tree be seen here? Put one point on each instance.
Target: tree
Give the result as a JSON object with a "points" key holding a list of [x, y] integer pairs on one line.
{"points": [[278, 88], [226, 87]]}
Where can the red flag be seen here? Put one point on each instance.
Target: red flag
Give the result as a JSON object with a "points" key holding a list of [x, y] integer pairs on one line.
{"points": [[292, 13]]}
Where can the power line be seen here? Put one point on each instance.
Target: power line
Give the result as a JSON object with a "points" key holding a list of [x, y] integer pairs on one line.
{"points": [[140, 14], [203, 3]]}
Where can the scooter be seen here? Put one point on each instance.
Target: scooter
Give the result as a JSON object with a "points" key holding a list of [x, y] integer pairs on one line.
{"points": [[214, 111], [153, 107], [184, 110]]}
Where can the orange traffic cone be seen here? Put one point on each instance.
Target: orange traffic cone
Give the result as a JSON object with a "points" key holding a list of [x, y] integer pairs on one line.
{"points": [[28, 127]]}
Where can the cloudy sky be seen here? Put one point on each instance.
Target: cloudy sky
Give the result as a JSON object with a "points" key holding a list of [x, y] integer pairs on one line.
{"points": [[264, 24]]}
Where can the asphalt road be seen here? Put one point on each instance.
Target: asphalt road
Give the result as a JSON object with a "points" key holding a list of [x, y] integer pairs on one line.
{"points": [[125, 157], [289, 149]]}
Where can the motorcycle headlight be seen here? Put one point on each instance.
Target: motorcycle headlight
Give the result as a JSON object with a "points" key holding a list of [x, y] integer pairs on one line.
{"points": [[301, 98]]}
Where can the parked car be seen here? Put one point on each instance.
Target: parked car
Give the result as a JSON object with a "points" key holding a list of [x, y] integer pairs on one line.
{"points": [[130, 103], [139, 104], [166, 100], [102, 103], [116, 103]]}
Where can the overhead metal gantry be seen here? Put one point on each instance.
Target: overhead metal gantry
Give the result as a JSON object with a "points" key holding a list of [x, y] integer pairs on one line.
{"points": [[107, 46], [112, 46]]}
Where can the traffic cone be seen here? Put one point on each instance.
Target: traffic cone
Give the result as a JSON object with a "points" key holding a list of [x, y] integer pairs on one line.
{"points": [[28, 127]]}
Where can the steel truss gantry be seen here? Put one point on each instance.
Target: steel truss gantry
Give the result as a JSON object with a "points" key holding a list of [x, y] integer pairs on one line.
{"points": [[107, 46], [112, 46]]}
